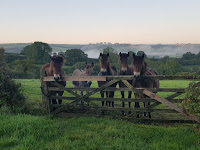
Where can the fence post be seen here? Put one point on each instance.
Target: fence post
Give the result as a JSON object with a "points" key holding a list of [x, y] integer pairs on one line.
{"points": [[45, 92]]}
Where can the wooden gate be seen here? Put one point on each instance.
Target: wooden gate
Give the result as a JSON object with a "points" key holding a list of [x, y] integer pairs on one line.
{"points": [[169, 107]]}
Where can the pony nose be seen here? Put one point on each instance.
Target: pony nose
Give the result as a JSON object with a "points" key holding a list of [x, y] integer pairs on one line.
{"points": [[136, 76], [56, 78], [124, 72], [104, 72]]}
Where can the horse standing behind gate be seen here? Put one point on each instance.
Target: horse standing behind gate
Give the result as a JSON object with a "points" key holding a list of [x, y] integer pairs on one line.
{"points": [[54, 68], [106, 69], [125, 69], [87, 72], [140, 68]]}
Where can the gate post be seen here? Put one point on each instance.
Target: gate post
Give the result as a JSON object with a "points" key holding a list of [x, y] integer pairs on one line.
{"points": [[45, 92]]}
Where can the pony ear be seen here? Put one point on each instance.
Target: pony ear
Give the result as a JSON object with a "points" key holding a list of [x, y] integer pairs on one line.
{"points": [[107, 54], [52, 58], [133, 55], [128, 54], [120, 54], [92, 64], [100, 54], [143, 55]]}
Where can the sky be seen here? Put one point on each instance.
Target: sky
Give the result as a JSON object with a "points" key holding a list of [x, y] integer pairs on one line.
{"points": [[91, 21]]}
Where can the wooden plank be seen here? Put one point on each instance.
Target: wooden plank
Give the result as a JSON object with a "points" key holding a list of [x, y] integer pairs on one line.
{"points": [[113, 99], [173, 96], [119, 89], [159, 77], [77, 78], [118, 77], [171, 105], [108, 99], [170, 98]]}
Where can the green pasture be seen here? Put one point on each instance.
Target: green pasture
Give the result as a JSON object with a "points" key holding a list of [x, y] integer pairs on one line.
{"points": [[45, 132]]}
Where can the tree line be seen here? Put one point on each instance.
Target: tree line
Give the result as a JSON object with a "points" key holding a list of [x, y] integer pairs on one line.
{"points": [[32, 57]]}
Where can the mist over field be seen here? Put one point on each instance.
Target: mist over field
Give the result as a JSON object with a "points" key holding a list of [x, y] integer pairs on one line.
{"points": [[93, 50]]}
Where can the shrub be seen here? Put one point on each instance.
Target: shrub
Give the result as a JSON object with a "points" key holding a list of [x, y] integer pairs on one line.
{"points": [[192, 102], [11, 95]]}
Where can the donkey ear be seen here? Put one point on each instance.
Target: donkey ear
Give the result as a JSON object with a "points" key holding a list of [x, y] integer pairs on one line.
{"points": [[133, 55], [92, 64], [100, 54], [128, 54], [120, 54], [107, 54]]}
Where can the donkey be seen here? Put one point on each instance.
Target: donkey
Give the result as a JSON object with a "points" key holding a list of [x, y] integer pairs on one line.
{"points": [[125, 69], [54, 68], [140, 68], [105, 70], [87, 72]]}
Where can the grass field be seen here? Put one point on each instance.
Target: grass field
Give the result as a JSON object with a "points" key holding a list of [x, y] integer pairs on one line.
{"points": [[30, 132]]}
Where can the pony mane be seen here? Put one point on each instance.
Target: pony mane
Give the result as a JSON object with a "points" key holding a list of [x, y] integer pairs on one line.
{"points": [[58, 58]]}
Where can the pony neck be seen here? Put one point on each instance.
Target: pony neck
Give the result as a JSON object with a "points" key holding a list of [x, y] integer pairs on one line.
{"points": [[50, 68], [144, 68], [88, 73], [109, 70]]}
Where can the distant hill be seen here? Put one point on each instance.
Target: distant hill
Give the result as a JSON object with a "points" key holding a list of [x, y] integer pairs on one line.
{"points": [[93, 50]]}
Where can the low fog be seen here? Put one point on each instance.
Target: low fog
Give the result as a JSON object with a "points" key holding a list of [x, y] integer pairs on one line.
{"points": [[158, 50]]}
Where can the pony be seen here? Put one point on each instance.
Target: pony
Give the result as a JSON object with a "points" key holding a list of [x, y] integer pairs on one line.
{"points": [[105, 70], [125, 69], [54, 68], [140, 68], [87, 72]]}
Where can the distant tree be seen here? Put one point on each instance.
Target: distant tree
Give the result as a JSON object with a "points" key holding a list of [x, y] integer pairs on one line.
{"points": [[112, 54], [12, 57], [140, 53], [188, 56], [25, 65], [73, 56], [38, 51], [166, 58], [2, 56], [172, 67], [130, 60], [23, 68]]}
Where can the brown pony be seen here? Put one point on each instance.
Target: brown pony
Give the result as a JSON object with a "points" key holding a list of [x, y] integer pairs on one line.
{"points": [[125, 69], [140, 68], [54, 68], [105, 70], [87, 72]]}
